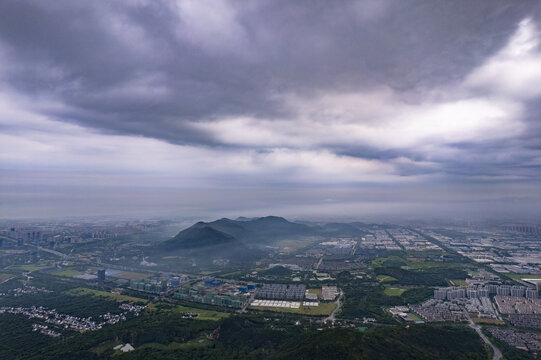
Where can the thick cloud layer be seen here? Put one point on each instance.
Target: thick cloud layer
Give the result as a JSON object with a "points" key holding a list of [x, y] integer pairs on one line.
{"points": [[203, 97]]}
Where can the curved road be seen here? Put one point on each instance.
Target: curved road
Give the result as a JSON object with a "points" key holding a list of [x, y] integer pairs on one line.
{"points": [[497, 354], [331, 316]]}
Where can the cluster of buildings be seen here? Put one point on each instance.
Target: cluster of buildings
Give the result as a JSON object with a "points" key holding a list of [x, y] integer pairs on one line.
{"points": [[516, 252], [276, 303], [281, 291], [522, 340], [52, 234], [341, 265], [149, 285], [329, 293], [437, 310], [409, 240], [451, 293], [339, 247], [455, 309], [25, 290], [380, 240], [517, 305], [44, 329], [64, 321], [215, 292], [526, 320], [135, 309], [54, 318]]}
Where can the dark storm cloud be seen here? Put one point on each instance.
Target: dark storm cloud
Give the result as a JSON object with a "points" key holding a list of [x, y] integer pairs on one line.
{"points": [[355, 98], [127, 67]]}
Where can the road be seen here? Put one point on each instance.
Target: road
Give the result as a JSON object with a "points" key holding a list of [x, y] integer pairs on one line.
{"points": [[54, 252], [497, 354], [331, 316]]}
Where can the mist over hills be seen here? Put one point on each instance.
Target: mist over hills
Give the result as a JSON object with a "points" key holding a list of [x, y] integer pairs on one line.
{"points": [[250, 232], [236, 238]]}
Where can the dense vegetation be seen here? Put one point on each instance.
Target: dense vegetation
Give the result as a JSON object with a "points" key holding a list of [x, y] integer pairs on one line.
{"points": [[249, 337], [415, 342], [369, 300], [436, 276]]}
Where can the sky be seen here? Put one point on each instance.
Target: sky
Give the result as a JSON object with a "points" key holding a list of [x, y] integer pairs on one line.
{"points": [[306, 109]]}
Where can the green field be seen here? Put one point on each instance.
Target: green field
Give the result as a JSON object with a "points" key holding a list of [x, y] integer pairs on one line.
{"points": [[199, 342], [487, 321], [66, 272], [295, 243], [27, 267], [4, 277], [459, 283], [429, 265], [523, 276], [414, 317], [80, 291], [379, 261], [391, 291], [385, 278], [322, 309], [203, 313]]}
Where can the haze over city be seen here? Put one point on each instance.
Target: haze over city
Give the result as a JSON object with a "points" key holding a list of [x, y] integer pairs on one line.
{"points": [[311, 110], [270, 179]]}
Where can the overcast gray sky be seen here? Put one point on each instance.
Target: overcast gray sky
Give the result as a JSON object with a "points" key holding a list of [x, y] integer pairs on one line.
{"points": [[296, 108]]}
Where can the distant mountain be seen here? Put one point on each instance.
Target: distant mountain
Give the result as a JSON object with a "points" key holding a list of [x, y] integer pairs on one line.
{"points": [[206, 243], [200, 237], [236, 238], [244, 218], [264, 230], [274, 227], [228, 226]]}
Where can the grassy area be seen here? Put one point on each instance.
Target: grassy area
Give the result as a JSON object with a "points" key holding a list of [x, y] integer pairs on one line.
{"points": [[128, 275], [322, 309], [459, 282], [4, 277], [487, 321], [234, 273], [523, 276], [203, 313], [429, 265], [199, 342], [66, 272], [391, 291], [26, 267], [80, 291], [315, 291], [385, 278], [379, 261], [414, 317], [209, 272], [295, 243]]}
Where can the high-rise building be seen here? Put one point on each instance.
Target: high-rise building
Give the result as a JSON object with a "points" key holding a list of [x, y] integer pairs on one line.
{"points": [[440, 294], [503, 290], [517, 291], [532, 293], [472, 293], [483, 292], [101, 275]]}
